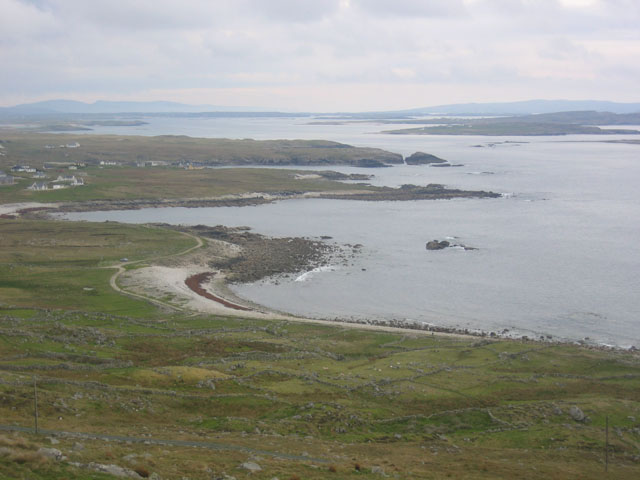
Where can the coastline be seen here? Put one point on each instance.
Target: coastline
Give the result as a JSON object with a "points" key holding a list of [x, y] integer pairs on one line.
{"points": [[405, 193], [216, 292], [194, 282], [216, 286]]}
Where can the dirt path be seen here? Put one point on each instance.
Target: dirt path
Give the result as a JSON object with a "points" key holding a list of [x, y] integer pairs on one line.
{"points": [[113, 281], [253, 314], [157, 441]]}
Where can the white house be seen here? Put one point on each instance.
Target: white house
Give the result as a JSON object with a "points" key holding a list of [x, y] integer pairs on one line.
{"points": [[68, 181], [23, 168], [65, 178], [38, 186]]}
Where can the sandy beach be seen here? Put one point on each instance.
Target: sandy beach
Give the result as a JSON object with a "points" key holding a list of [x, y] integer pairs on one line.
{"points": [[14, 208], [170, 282]]}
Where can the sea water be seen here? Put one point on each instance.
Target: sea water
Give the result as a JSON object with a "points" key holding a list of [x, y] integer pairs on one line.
{"points": [[556, 255]]}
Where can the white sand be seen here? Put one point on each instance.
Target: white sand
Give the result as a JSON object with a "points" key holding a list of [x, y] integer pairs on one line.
{"points": [[12, 208], [157, 281], [160, 282]]}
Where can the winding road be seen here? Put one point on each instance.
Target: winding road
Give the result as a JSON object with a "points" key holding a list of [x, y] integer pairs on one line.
{"points": [[113, 281]]}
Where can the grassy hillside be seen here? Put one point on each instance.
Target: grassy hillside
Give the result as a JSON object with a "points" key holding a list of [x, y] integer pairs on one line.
{"points": [[300, 400], [129, 183], [31, 148], [66, 265]]}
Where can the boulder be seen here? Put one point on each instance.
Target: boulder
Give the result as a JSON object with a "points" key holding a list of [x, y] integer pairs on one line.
{"points": [[251, 466], [576, 414], [115, 470], [437, 245], [52, 453]]}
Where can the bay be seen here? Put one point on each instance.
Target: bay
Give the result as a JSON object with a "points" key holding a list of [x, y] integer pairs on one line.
{"points": [[557, 255]]}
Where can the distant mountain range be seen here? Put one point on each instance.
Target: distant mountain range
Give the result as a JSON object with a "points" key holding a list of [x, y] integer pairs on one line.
{"points": [[527, 107], [66, 107], [53, 107]]}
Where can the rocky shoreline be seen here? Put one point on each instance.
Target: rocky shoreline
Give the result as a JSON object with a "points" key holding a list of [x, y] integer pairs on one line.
{"points": [[404, 193], [188, 203], [260, 256], [433, 191]]}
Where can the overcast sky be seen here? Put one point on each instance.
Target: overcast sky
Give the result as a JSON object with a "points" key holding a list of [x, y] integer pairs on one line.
{"points": [[320, 55]]}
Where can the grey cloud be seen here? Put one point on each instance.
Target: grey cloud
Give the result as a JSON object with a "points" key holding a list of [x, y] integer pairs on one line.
{"points": [[411, 8], [562, 48], [294, 10], [133, 15], [552, 16], [118, 47], [169, 14]]}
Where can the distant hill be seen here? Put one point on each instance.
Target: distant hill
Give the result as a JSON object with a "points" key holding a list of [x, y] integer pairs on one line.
{"points": [[526, 107], [52, 107], [561, 123]]}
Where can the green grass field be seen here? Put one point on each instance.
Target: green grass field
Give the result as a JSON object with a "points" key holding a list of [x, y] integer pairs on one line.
{"points": [[37, 148], [355, 403], [132, 183], [65, 265]]}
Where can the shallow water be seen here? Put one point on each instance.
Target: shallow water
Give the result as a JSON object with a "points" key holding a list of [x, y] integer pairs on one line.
{"points": [[557, 255]]}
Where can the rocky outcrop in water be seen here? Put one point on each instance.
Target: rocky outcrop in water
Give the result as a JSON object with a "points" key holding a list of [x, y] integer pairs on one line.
{"points": [[442, 244], [421, 158], [437, 245], [433, 191]]}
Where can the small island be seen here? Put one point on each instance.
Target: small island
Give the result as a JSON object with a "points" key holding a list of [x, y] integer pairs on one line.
{"points": [[562, 123]]}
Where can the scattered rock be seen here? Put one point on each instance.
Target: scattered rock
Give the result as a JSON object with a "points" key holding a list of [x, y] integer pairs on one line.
{"points": [[576, 414], [378, 470], [52, 453], [251, 466], [208, 383], [110, 469], [442, 244], [114, 470]]}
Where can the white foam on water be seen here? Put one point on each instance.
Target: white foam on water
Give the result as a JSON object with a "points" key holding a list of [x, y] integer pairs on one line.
{"points": [[307, 275]]}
